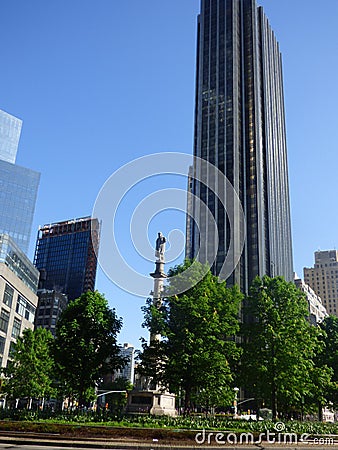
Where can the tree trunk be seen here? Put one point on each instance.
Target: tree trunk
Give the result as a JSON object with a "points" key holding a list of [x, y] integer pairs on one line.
{"points": [[273, 385], [320, 412], [187, 400], [81, 395], [274, 402]]}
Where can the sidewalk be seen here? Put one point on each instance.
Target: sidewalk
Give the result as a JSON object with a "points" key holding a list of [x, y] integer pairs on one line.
{"points": [[45, 439], [53, 440]]}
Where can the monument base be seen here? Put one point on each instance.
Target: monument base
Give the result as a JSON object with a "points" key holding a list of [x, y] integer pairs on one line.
{"points": [[151, 402]]}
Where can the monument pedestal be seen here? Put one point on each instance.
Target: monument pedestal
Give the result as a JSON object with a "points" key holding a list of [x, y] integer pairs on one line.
{"points": [[151, 402]]}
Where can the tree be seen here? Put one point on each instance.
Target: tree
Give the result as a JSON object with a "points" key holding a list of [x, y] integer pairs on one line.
{"points": [[279, 345], [329, 354], [328, 357], [85, 346], [29, 373], [197, 350]]}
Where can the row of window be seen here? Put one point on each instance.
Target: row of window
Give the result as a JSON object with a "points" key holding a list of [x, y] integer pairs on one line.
{"points": [[326, 265], [46, 311], [48, 301], [45, 321]]}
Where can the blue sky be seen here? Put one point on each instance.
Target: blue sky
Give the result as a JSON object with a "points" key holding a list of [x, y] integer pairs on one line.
{"points": [[100, 83]]}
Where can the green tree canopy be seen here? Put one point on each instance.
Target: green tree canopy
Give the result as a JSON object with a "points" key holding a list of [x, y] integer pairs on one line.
{"points": [[86, 345], [29, 373], [329, 354], [328, 357], [279, 345], [197, 350]]}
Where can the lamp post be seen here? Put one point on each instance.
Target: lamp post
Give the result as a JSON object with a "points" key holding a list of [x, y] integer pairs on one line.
{"points": [[236, 389]]}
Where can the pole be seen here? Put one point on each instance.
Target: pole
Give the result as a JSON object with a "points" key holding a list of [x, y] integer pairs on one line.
{"points": [[236, 389]]}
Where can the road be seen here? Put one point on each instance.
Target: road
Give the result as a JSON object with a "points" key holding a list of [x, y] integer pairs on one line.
{"points": [[164, 447], [41, 447]]}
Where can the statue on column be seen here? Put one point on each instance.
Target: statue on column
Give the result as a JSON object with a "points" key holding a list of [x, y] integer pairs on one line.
{"points": [[160, 247]]}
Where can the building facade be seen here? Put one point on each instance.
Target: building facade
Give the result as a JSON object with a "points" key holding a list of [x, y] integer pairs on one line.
{"points": [[323, 278], [18, 192], [10, 130], [66, 256], [51, 304], [240, 128], [317, 311], [18, 185], [127, 351], [18, 300]]}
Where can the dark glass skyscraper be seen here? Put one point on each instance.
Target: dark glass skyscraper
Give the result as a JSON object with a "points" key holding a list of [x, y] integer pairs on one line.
{"points": [[66, 256], [240, 128]]}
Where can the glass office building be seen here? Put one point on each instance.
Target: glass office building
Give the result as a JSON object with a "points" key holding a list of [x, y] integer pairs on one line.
{"points": [[66, 256], [10, 130], [18, 192], [240, 128]]}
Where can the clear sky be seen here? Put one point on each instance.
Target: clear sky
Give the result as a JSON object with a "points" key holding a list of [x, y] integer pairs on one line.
{"points": [[99, 83]]}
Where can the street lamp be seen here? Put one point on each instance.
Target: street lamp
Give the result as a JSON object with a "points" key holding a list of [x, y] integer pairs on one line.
{"points": [[236, 389]]}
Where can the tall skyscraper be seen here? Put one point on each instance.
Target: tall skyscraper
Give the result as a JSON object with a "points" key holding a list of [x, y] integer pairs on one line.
{"points": [[323, 278], [18, 185], [10, 130], [240, 128], [18, 191], [66, 256]]}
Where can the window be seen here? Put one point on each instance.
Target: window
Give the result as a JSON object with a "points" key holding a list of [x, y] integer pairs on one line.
{"points": [[4, 319], [16, 328], [11, 350], [8, 295], [20, 306], [2, 344], [25, 309]]}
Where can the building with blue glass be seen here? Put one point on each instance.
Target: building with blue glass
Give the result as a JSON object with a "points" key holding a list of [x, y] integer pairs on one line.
{"points": [[18, 185], [10, 130], [18, 192], [66, 256]]}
